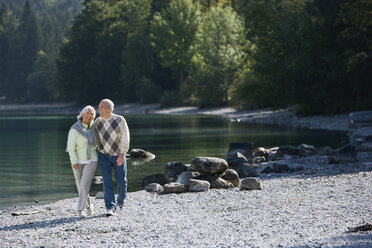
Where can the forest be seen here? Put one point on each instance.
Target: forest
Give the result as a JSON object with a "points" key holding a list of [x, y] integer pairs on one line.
{"points": [[314, 55]]}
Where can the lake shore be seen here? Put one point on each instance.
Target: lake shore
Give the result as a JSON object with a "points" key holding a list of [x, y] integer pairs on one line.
{"points": [[265, 116], [309, 208]]}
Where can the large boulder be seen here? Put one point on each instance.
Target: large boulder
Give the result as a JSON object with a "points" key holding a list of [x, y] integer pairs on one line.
{"points": [[245, 148], [232, 177], [251, 183], [174, 188], [209, 165], [173, 169], [157, 178], [195, 185]]}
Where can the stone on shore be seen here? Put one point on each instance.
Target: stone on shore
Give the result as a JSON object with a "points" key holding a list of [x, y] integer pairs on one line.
{"points": [[140, 153], [289, 150], [242, 167], [185, 176], [232, 177], [195, 185], [173, 169], [305, 150], [156, 178], [344, 154], [220, 183], [245, 148], [175, 188], [209, 165], [154, 188], [100, 195], [251, 183]]}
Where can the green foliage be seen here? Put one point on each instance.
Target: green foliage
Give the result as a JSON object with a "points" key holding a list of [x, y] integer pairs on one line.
{"points": [[137, 55], [170, 98], [173, 31], [147, 91], [41, 82], [219, 54]]}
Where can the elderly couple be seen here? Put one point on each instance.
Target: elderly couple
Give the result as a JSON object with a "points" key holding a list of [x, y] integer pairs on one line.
{"points": [[110, 134]]}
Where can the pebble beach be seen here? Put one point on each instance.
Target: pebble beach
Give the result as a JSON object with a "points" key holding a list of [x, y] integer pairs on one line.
{"points": [[313, 207]]}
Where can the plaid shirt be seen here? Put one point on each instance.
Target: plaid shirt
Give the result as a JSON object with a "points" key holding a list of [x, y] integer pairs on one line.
{"points": [[112, 135]]}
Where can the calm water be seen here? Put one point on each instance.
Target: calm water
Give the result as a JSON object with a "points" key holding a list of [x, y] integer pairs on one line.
{"points": [[34, 166]]}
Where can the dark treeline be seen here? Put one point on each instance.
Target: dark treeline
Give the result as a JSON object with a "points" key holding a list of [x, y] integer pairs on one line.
{"points": [[31, 33], [313, 54]]}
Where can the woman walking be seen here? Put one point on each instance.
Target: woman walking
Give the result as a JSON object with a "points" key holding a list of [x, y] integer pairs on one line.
{"points": [[81, 147]]}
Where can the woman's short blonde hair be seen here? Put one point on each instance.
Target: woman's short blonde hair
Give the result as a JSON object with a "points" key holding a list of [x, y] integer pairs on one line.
{"points": [[84, 110]]}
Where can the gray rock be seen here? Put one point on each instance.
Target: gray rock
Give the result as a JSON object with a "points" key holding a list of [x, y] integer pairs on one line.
{"points": [[232, 177], [195, 185], [209, 165], [242, 167], [245, 148], [154, 188], [100, 195], [290, 150], [276, 168], [140, 153], [97, 180], [364, 147], [174, 188], [173, 169], [220, 183], [157, 178], [258, 160], [261, 152], [360, 118], [305, 150], [344, 154], [251, 183], [185, 176], [272, 153]]}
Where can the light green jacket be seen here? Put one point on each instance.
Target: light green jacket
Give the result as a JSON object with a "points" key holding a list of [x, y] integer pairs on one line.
{"points": [[77, 147]]}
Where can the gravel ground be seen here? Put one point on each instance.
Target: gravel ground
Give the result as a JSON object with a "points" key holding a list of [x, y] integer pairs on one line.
{"points": [[309, 208]]}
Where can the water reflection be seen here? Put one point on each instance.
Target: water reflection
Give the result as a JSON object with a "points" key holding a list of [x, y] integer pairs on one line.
{"points": [[34, 166]]}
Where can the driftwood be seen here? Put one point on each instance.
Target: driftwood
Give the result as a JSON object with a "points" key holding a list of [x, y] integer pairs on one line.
{"points": [[25, 213], [366, 227]]}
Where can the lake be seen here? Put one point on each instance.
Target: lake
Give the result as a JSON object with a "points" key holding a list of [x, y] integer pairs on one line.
{"points": [[35, 167]]}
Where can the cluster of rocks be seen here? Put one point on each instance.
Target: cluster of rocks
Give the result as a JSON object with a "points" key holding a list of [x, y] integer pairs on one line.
{"points": [[241, 168]]}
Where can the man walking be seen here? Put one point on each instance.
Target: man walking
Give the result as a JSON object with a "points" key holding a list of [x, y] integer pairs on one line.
{"points": [[113, 143]]}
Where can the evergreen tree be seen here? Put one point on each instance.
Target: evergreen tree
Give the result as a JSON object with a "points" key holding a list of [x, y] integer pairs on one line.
{"points": [[24, 52]]}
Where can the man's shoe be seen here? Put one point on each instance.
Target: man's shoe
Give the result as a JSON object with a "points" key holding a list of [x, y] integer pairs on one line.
{"points": [[82, 214], [110, 212], [121, 207]]}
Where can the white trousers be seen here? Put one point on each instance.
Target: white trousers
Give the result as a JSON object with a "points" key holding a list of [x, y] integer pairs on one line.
{"points": [[83, 180]]}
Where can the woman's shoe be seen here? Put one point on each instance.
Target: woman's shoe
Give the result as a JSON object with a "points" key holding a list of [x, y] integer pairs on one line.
{"points": [[90, 212], [82, 214]]}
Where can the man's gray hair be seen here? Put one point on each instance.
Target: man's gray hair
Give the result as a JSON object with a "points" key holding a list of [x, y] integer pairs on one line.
{"points": [[110, 104], [85, 109]]}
